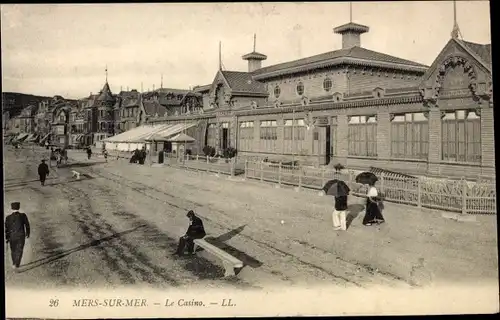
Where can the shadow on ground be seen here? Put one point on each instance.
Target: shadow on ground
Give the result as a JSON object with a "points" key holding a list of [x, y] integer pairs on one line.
{"points": [[61, 254], [219, 242], [23, 183], [80, 164], [353, 211]]}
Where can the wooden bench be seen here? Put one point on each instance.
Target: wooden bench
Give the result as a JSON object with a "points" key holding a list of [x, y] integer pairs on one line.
{"points": [[75, 174], [229, 262]]}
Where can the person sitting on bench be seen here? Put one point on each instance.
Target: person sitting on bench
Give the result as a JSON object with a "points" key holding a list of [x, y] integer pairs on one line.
{"points": [[195, 231]]}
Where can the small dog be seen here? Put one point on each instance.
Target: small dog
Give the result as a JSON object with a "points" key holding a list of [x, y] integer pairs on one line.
{"points": [[76, 174]]}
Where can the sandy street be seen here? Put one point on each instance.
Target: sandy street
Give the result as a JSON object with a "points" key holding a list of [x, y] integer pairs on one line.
{"points": [[119, 225]]}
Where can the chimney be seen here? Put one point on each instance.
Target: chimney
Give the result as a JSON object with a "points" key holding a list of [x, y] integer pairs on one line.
{"points": [[351, 34]]}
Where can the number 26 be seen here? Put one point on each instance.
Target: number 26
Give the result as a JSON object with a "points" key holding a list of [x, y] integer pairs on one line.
{"points": [[53, 302]]}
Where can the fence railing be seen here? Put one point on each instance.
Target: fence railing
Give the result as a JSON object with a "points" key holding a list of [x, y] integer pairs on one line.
{"points": [[207, 164], [450, 195], [444, 194]]}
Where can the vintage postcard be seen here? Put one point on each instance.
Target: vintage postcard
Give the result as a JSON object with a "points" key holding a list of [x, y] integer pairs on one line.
{"points": [[248, 159]]}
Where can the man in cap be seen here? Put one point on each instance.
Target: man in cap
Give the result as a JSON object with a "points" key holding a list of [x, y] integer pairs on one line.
{"points": [[195, 231], [43, 172], [17, 229]]}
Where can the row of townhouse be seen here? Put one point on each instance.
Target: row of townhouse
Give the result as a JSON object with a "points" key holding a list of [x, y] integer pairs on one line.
{"points": [[86, 121]]}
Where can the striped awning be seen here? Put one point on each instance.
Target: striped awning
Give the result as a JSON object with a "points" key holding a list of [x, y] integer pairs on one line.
{"points": [[21, 137], [170, 131], [45, 138]]}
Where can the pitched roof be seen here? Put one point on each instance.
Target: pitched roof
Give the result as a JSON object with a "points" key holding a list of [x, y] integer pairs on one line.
{"points": [[481, 50], [169, 96], [170, 90], [105, 94], [182, 137], [351, 27], [356, 52], [202, 88], [254, 56], [243, 82], [153, 107]]}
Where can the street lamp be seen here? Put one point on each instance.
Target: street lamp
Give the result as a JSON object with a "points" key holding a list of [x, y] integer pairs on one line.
{"points": [[293, 138]]}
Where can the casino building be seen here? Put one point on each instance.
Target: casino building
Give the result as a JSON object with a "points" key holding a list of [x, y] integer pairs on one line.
{"points": [[356, 107]]}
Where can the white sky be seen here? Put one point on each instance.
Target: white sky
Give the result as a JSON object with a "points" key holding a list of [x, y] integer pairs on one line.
{"points": [[63, 49]]}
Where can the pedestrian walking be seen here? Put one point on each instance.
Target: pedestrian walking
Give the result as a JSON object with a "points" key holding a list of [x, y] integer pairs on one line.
{"points": [[195, 231], [105, 153], [89, 152], [17, 230], [339, 213], [43, 172], [373, 211]]}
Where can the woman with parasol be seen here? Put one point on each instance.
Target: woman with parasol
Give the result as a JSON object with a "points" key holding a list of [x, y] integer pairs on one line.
{"points": [[340, 191], [373, 212]]}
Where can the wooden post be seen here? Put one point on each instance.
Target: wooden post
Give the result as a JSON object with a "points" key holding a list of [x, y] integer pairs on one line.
{"points": [[246, 169], [261, 171], [232, 166], [300, 178], [322, 177], [419, 193], [464, 196], [382, 182], [197, 158], [208, 159], [279, 174]]}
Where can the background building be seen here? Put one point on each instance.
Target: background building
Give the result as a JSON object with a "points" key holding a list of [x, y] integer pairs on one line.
{"points": [[357, 107]]}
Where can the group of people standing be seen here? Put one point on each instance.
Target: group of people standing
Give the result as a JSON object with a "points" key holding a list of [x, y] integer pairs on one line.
{"points": [[373, 209]]}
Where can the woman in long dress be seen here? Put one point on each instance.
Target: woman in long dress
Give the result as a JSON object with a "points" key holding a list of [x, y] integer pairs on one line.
{"points": [[373, 213]]}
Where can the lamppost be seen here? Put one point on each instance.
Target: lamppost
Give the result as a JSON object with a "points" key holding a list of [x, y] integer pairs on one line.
{"points": [[293, 138]]}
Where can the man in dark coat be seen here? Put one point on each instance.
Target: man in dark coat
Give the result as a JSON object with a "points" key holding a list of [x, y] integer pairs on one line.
{"points": [[43, 172], [17, 229], [89, 152], [195, 231]]}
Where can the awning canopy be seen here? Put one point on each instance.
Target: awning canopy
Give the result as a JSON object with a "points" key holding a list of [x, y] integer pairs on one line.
{"points": [[21, 137], [167, 133], [136, 134], [150, 133], [45, 138], [181, 137]]}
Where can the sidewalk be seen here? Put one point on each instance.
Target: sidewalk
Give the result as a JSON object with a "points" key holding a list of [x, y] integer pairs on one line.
{"points": [[415, 245]]}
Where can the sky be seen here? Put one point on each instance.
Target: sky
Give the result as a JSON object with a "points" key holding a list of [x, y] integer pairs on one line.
{"points": [[50, 49]]}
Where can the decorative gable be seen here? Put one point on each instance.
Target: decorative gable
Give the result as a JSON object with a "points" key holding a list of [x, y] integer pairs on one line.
{"points": [[456, 72], [220, 92]]}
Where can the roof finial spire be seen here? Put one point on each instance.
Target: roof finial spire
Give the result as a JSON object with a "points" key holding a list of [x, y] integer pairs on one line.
{"points": [[220, 55], [106, 70], [161, 84], [254, 41], [456, 30], [350, 11]]}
